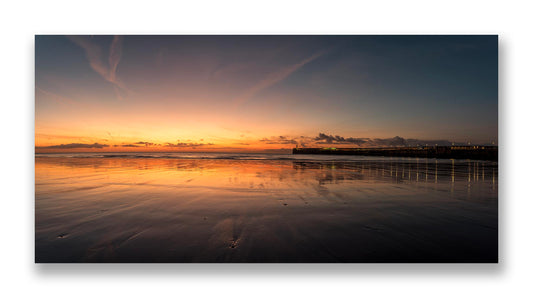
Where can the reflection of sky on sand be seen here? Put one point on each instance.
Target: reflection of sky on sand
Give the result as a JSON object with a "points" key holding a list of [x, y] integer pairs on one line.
{"points": [[125, 209]]}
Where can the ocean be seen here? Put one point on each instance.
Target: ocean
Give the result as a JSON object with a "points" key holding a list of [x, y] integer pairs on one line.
{"points": [[235, 207]]}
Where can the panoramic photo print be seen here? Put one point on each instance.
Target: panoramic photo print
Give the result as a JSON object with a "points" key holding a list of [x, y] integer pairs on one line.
{"points": [[266, 149]]}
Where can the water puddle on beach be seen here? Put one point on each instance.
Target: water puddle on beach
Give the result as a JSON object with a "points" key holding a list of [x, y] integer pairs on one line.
{"points": [[226, 210]]}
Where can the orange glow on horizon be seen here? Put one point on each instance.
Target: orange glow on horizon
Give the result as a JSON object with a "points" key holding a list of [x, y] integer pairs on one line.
{"points": [[242, 93]]}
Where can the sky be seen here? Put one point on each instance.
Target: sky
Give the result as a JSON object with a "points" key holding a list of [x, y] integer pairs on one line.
{"points": [[263, 93]]}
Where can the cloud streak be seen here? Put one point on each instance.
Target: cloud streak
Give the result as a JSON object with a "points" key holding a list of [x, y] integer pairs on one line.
{"points": [[145, 143], [275, 77], [323, 138], [131, 145], [107, 71], [74, 146], [56, 97], [282, 140], [396, 141], [187, 145]]}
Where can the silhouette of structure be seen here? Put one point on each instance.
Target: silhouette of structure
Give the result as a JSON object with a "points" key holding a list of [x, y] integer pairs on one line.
{"points": [[455, 152]]}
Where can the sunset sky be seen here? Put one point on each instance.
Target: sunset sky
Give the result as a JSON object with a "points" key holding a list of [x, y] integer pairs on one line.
{"points": [[249, 93]]}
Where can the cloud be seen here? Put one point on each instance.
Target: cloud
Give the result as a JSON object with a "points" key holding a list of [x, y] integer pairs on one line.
{"points": [[221, 71], [108, 70], [56, 97], [115, 53], [139, 144], [279, 140], [330, 139], [185, 145], [145, 143], [301, 141], [74, 146], [130, 145], [323, 138], [275, 77], [396, 141]]}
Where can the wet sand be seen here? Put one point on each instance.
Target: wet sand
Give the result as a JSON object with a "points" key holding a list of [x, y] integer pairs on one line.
{"points": [[220, 210]]}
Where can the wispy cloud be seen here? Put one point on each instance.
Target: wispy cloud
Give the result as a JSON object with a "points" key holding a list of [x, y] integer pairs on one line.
{"points": [[144, 143], [323, 138], [187, 145], [283, 140], [108, 70], [130, 145], [138, 144], [56, 97], [274, 78], [74, 146], [329, 139], [115, 53]]}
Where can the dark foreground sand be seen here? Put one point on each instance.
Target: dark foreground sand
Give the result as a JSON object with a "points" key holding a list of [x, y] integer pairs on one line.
{"points": [[171, 210]]}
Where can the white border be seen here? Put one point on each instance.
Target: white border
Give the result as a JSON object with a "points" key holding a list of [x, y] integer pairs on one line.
{"points": [[21, 20]]}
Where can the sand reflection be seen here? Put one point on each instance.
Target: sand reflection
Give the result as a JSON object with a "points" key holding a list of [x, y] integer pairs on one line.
{"points": [[186, 210]]}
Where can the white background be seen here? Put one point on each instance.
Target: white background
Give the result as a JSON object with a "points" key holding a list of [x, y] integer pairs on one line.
{"points": [[20, 20]]}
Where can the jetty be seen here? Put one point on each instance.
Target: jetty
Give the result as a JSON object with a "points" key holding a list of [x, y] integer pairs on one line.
{"points": [[448, 152]]}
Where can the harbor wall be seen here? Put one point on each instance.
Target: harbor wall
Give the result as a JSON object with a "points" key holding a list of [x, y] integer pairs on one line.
{"points": [[455, 152]]}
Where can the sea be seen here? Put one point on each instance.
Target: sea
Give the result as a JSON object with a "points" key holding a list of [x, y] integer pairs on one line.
{"points": [[263, 208]]}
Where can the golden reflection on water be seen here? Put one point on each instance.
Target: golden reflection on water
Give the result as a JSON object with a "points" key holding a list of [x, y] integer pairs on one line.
{"points": [[117, 209], [211, 171]]}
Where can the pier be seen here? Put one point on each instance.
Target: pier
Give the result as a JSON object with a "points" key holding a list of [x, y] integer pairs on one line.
{"points": [[455, 152]]}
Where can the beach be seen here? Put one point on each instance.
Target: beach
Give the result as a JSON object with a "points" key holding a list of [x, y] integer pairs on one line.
{"points": [[263, 208]]}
